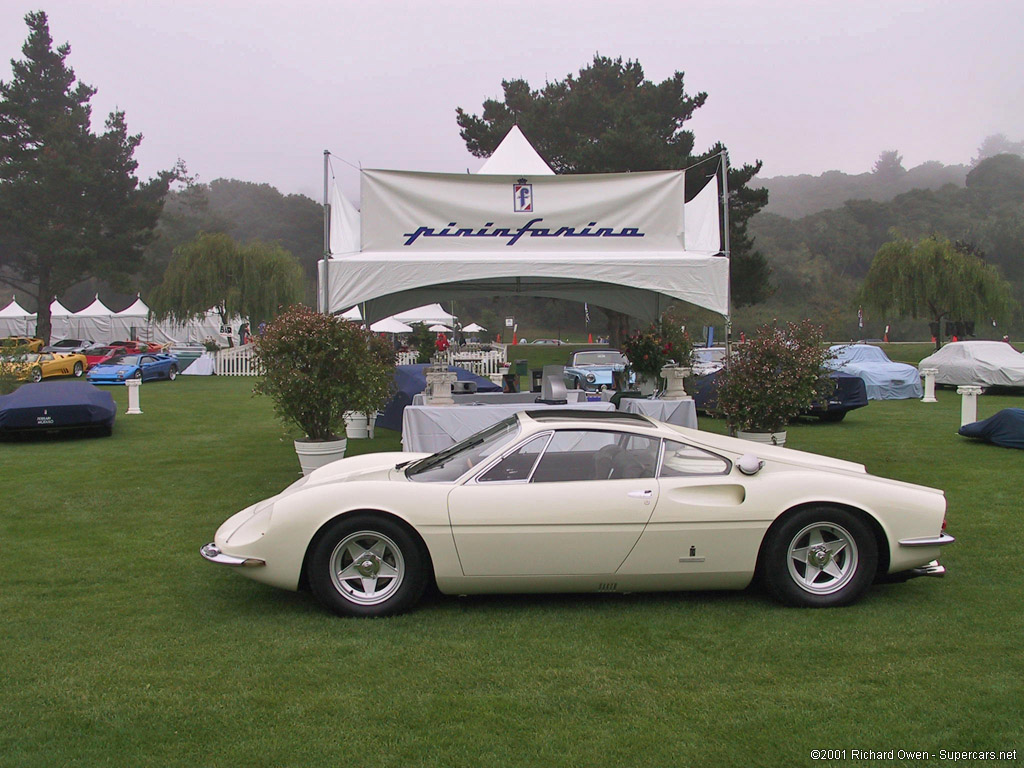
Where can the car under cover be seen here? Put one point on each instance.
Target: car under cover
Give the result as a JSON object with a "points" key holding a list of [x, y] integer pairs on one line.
{"points": [[57, 405]]}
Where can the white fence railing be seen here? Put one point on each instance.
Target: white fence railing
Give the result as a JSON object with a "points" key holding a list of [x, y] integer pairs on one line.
{"points": [[236, 361]]}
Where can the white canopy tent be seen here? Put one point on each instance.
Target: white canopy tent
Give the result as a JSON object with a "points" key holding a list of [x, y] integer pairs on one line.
{"points": [[622, 241], [428, 314], [131, 321], [15, 320], [92, 323], [390, 325]]}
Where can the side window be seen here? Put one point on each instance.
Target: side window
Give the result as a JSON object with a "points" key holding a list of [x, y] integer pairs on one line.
{"points": [[575, 455], [518, 464], [682, 460]]}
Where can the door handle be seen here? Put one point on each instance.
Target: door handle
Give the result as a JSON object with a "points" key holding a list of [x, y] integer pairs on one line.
{"points": [[640, 494]]}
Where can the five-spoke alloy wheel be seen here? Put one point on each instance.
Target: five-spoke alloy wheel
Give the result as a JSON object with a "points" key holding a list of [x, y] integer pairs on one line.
{"points": [[367, 565], [820, 557]]}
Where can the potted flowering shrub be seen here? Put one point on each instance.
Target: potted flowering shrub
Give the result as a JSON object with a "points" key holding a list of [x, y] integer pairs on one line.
{"points": [[315, 368], [771, 378], [659, 346]]}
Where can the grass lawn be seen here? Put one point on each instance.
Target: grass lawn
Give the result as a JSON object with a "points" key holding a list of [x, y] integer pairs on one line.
{"points": [[120, 647]]}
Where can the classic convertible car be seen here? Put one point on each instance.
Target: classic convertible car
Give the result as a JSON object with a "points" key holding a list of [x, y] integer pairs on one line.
{"points": [[146, 367], [594, 369], [585, 501], [36, 366]]}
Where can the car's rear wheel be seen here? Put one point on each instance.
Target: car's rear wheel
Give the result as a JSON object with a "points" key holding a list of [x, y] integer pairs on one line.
{"points": [[36, 375], [172, 374], [820, 557], [79, 369], [366, 565]]}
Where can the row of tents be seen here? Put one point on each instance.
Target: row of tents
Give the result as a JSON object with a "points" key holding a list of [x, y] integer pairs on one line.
{"points": [[99, 323]]}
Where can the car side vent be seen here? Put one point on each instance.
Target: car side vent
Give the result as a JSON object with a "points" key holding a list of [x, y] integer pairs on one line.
{"points": [[609, 586]]}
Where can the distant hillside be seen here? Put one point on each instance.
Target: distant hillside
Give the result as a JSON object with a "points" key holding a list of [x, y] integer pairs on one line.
{"points": [[797, 196]]}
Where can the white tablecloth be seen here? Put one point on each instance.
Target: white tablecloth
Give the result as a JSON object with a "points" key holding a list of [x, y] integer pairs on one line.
{"points": [[431, 428], [683, 413]]}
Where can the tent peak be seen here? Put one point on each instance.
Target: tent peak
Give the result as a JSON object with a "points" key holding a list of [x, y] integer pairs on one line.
{"points": [[515, 155]]}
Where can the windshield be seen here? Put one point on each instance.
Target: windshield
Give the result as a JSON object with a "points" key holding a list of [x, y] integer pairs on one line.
{"points": [[599, 357], [124, 360], [452, 463]]}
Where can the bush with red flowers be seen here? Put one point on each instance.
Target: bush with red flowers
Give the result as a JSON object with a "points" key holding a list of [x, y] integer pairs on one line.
{"points": [[774, 376], [651, 349]]}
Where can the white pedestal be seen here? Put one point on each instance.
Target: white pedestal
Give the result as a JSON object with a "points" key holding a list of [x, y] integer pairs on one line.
{"points": [[133, 386], [968, 403], [439, 386], [674, 376], [929, 384]]}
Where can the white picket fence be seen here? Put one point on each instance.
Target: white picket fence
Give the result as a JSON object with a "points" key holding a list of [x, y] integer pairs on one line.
{"points": [[236, 361], [240, 361]]}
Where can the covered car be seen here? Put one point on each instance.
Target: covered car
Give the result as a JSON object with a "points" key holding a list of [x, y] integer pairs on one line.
{"points": [[1005, 428], [883, 379], [981, 363], [585, 501], [410, 380], [594, 369], [55, 406], [849, 394], [148, 367]]}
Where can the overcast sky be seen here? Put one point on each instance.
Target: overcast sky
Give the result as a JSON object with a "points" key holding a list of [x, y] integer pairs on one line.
{"points": [[256, 90]]}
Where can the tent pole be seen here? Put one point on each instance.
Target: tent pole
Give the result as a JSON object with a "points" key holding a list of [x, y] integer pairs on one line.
{"points": [[325, 302], [725, 250]]}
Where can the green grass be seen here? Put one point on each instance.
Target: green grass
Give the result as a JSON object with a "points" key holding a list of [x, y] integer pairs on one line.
{"points": [[120, 647]]}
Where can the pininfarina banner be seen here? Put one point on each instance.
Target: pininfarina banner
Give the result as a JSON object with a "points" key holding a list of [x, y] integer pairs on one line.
{"points": [[426, 213]]}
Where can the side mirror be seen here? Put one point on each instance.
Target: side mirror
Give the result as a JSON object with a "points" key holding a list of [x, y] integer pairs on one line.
{"points": [[749, 464]]}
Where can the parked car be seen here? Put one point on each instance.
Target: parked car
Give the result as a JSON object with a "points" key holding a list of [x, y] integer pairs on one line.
{"points": [[708, 360], [134, 346], [69, 345], [56, 406], [594, 369], [36, 366], [982, 363], [29, 343], [145, 367], [849, 394], [547, 342], [558, 500], [883, 379], [96, 355]]}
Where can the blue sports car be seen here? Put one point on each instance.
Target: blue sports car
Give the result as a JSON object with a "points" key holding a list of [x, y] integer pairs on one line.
{"points": [[146, 367], [594, 369]]}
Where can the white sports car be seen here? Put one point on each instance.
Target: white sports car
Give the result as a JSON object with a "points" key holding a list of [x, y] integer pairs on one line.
{"points": [[558, 500]]}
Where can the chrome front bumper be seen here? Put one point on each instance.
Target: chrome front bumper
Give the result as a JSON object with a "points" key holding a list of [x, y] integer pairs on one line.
{"points": [[212, 553]]}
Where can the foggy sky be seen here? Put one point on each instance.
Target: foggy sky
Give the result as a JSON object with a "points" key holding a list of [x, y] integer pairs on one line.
{"points": [[257, 90]]}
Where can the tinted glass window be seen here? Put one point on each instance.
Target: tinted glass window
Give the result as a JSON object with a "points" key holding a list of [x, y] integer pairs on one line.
{"points": [[574, 455], [518, 464], [682, 460]]}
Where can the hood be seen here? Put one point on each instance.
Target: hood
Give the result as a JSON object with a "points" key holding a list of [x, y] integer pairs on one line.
{"points": [[369, 466]]}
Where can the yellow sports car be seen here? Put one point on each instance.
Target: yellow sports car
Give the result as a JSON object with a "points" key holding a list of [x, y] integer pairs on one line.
{"points": [[37, 366], [33, 344]]}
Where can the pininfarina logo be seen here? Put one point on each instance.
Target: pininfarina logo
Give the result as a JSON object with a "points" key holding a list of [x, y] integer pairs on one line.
{"points": [[514, 235], [522, 198]]}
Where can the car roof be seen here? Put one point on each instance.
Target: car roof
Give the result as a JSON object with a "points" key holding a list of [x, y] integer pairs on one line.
{"points": [[563, 415]]}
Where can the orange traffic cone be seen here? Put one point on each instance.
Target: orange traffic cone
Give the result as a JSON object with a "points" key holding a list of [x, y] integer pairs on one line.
{"points": [[590, 338]]}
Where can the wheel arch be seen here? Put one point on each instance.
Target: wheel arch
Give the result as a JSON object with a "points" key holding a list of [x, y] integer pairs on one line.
{"points": [[866, 517], [396, 519]]}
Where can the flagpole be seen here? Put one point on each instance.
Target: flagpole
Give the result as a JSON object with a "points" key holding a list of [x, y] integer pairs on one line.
{"points": [[725, 251], [325, 300]]}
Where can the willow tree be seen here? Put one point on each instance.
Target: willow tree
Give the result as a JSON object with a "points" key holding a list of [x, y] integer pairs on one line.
{"points": [[252, 281], [934, 279]]}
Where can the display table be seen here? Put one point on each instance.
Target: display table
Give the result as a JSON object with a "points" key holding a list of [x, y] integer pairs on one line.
{"points": [[682, 413], [431, 428]]}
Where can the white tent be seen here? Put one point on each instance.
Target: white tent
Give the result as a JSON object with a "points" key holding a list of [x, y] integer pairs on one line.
{"points": [[515, 155], [60, 321], [390, 325], [93, 322], [15, 320], [474, 328], [622, 241], [428, 313], [131, 322]]}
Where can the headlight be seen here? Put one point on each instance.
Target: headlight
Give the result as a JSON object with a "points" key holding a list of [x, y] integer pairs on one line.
{"points": [[591, 378]]}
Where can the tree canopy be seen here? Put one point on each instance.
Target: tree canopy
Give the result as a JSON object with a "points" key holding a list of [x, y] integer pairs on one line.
{"points": [[935, 279], [252, 281], [71, 206], [610, 118]]}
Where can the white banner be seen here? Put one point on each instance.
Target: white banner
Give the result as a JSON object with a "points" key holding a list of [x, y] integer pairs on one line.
{"points": [[427, 213]]}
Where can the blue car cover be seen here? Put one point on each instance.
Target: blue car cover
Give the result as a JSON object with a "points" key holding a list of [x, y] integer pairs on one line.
{"points": [[411, 380], [51, 405], [1005, 428]]}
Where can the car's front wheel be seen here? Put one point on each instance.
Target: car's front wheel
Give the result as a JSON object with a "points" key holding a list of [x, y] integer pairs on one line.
{"points": [[37, 375], [367, 565], [173, 373], [79, 369], [820, 557], [137, 374]]}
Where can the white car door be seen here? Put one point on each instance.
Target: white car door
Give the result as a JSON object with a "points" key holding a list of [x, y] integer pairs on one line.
{"points": [[572, 502]]}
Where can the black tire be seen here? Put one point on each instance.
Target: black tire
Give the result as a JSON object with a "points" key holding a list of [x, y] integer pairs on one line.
{"points": [[78, 370], [832, 416], [395, 567], [36, 375], [820, 557], [137, 374], [172, 374]]}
